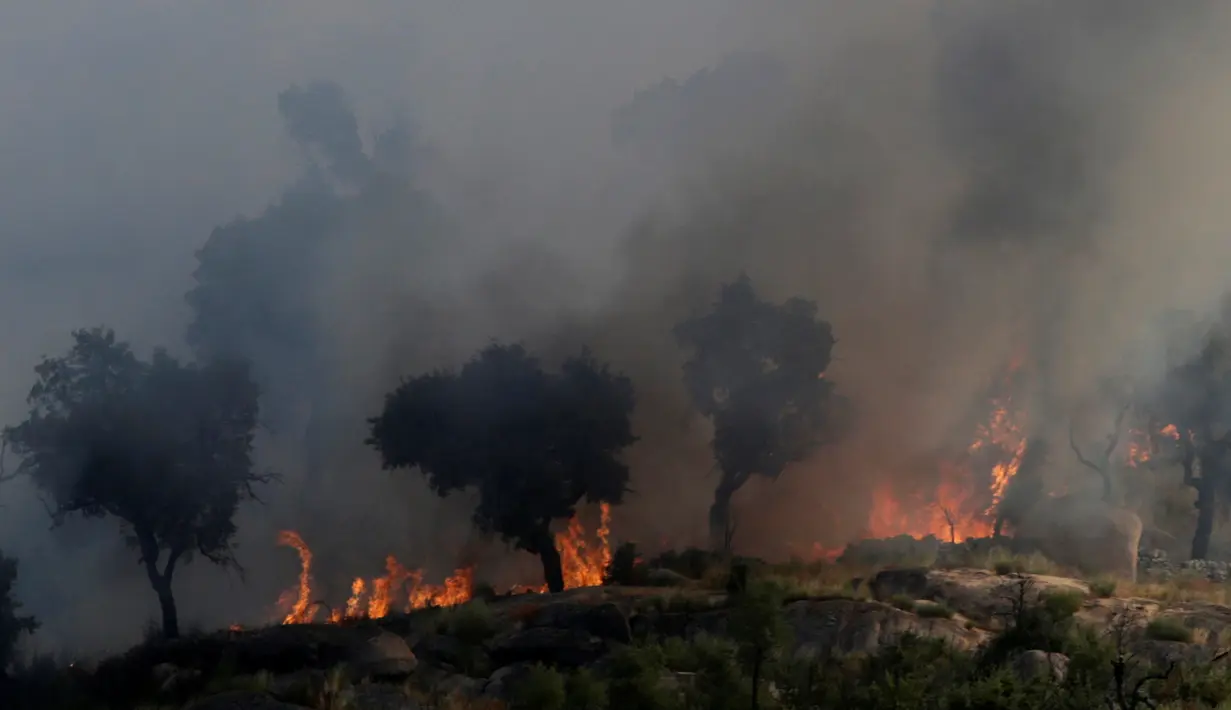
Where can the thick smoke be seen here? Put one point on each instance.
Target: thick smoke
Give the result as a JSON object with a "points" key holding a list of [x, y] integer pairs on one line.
{"points": [[954, 182]]}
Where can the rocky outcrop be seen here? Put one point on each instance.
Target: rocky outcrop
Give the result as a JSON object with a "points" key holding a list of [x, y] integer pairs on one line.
{"points": [[1156, 565], [1086, 534], [242, 700], [564, 647], [842, 626], [1034, 663]]}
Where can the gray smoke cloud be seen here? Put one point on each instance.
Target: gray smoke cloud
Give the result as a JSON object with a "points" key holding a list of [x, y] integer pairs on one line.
{"points": [[954, 182]]}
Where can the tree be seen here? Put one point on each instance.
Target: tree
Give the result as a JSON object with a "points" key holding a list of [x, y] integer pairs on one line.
{"points": [[164, 447], [12, 624], [1101, 465], [1195, 399], [759, 630], [257, 290], [533, 444], [757, 371]]}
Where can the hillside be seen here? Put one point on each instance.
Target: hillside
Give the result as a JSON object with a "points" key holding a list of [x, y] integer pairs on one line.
{"points": [[814, 636]]}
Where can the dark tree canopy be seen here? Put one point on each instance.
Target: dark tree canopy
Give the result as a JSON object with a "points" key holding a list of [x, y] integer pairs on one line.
{"points": [[259, 286], [12, 623], [533, 444], [164, 447], [1195, 397], [757, 370]]}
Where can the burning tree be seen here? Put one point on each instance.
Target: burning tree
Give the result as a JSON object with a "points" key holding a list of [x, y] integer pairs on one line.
{"points": [[533, 444], [758, 372], [1195, 398], [162, 446]]}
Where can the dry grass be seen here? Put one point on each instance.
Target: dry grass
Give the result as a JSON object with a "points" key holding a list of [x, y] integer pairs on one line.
{"points": [[1179, 590]]}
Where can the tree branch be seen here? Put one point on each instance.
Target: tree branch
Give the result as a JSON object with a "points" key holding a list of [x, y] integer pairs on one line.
{"points": [[1077, 451], [169, 568], [4, 474], [1114, 438]]}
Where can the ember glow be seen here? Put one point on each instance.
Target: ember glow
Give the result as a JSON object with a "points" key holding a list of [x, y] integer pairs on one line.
{"points": [[402, 589], [1141, 446]]}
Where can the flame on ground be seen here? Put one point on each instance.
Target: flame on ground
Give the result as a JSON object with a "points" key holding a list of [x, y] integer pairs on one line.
{"points": [[963, 503], [403, 589]]}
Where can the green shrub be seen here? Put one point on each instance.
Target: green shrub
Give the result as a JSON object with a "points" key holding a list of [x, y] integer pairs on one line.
{"points": [[1168, 629], [585, 692], [1035, 621], [693, 563], [902, 601], [1063, 604], [484, 591], [471, 623], [1104, 587], [625, 567], [542, 688], [934, 611], [635, 679]]}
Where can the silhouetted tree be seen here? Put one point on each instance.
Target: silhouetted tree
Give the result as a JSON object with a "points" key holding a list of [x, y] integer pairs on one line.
{"points": [[12, 623], [258, 282], [757, 370], [164, 447], [1195, 397], [1101, 464], [533, 444]]}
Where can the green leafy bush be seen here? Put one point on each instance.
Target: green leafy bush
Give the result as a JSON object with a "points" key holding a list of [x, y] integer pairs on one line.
{"points": [[542, 688], [903, 602], [635, 678], [1168, 629], [1104, 587], [934, 610], [584, 691], [471, 623]]}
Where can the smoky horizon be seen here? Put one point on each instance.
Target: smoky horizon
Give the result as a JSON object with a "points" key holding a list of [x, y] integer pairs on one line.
{"points": [[1012, 216]]}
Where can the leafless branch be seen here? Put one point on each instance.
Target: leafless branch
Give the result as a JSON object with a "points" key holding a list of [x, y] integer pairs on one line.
{"points": [[1077, 451], [1114, 438], [952, 523]]}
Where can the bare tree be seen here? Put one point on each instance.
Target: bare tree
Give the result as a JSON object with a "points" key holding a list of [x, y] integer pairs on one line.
{"points": [[1102, 465], [952, 524]]}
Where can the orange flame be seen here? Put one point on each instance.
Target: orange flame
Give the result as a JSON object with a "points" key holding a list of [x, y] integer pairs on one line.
{"points": [[302, 610], [956, 510], [583, 565], [1141, 449]]}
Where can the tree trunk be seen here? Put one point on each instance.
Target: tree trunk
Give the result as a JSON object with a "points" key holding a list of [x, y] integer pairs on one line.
{"points": [[170, 616], [161, 581], [756, 676], [553, 571], [1206, 507], [721, 532]]}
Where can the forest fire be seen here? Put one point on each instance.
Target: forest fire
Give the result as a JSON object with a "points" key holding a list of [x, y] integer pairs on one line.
{"points": [[1141, 447], [403, 589], [963, 501]]}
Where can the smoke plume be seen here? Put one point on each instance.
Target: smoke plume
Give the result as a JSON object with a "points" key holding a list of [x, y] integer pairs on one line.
{"points": [[955, 183]]}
